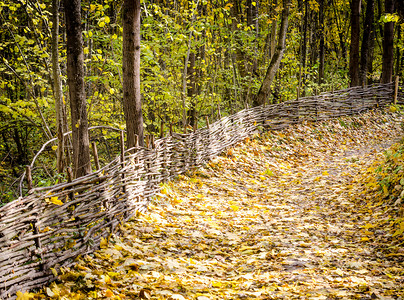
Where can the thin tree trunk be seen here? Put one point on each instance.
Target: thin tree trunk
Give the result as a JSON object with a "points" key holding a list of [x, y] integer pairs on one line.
{"points": [[322, 46], [191, 92], [75, 79], [276, 59], [366, 41], [185, 72], [273, 31], [57, 86], [388, 46], [131, 72], [303, 52], [355, 37], [398, 52]]}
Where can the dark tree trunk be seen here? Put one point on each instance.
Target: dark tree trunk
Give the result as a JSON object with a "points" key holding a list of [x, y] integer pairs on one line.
{"points": [[303, 53], [355, 37], [321, 46], [366, 41], [276, 58], [131, 72], [75, 79], [398, 52], [191, 89], [388, 46]]}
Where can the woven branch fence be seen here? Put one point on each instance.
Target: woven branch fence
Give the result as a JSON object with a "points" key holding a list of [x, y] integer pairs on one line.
{"points": [[38, 233]]}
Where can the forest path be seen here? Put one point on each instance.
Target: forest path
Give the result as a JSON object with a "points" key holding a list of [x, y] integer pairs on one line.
{"points": [[277, 217]]}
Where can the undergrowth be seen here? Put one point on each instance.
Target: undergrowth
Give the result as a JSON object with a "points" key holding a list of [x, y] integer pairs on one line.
{"points": [[383, 191]]}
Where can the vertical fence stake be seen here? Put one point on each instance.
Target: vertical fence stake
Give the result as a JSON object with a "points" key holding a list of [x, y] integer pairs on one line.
{"points": [[218, 110], [147, 141], [196, 124], [171, 128], [38, 244], [95, 153], [152, 144], [29, 177], [396, 89], [207, 121], [161, 129], [122, 146], [69, 172]]}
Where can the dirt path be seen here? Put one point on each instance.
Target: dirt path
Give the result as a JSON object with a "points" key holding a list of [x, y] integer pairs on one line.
{"points": [[275, 218]]}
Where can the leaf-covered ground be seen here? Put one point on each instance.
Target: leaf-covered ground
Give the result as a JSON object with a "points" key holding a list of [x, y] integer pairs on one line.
{"points": [[284, 215]]}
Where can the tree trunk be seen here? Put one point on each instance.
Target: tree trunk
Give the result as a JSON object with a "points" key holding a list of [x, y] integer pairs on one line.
{"points": [[75, 79], [303, 52], [388, 46], [57, 86], [276, 58], [366, 41], [355, 37], [131, 72], [191, 89], [322, 46], [398, 52]]}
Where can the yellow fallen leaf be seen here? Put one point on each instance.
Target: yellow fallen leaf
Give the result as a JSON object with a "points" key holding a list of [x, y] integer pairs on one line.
{"points": [[368, 226], [234, 207], [392, 108], [56, 201], [364, 239], [24, 296], [54, 147], [109, 293], [103, 243], [106, 278], [216, 284]]}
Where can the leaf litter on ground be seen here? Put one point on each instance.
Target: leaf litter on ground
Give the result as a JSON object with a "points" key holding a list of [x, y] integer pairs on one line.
{"points": [[283, 215]]}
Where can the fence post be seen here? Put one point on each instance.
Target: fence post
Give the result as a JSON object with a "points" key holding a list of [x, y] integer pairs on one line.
{"points": [[122, 146], [396, 89], [147, 141], [152, 144], [161, 129], [207, 121], [171, 128], [29, 177], [95, 153], [136, 145], [195, 124], [38, 245], [69, 172]]}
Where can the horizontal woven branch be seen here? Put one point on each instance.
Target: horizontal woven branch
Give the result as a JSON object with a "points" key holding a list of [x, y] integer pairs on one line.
{"points": [[36, 234]]}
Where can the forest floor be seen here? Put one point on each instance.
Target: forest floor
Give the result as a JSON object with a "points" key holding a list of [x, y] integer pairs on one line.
{"points": [[283, 215]]}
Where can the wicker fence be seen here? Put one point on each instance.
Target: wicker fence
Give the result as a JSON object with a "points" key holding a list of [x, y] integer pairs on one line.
{"points": [[53, 225]]}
